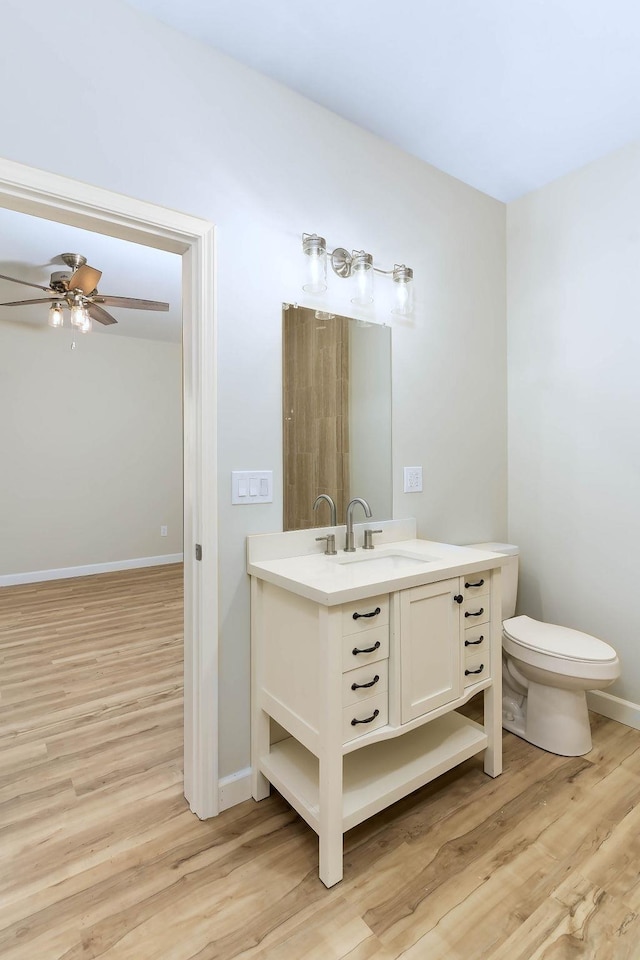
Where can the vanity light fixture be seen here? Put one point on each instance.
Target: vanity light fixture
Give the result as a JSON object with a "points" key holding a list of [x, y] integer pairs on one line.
{"points": [[357, 265]]}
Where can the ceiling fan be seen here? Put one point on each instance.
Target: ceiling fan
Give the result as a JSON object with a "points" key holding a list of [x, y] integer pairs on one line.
{"points": [[78, 290]]}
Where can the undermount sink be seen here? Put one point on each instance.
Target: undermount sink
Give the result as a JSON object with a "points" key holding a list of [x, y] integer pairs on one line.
{"points": [[397, 560]]}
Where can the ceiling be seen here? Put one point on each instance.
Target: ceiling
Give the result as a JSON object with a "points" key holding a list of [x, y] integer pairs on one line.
{"points": [[505, 95], [30, 248]]}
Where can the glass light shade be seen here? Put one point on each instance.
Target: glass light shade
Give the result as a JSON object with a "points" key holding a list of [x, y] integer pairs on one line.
{"points": [[315, 251], [56, 316], [403, 280], [362, 273], [86, 325], [78, 313]]}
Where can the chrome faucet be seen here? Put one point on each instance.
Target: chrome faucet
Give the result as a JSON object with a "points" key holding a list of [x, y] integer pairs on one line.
{"points": [[325, 496], [349, 546]]}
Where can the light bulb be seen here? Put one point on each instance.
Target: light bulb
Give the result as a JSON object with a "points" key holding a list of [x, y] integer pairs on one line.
{"points": [[362, 273], [87, 323], [56, 317], [77, 315], [403, 279], [315, 250]]}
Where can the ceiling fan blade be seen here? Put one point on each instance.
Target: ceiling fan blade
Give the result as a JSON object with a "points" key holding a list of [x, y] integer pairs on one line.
{"points": [[99, 314], [20, 303], [132, 302], [25, 283], [85, 278]]}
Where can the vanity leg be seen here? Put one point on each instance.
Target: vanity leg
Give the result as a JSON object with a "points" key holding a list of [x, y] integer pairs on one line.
{"points": [[493, 729], [330, 834], [260, 745]]}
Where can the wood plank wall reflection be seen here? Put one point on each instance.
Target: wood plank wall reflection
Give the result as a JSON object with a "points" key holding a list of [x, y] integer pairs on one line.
{"points": [[316, 416]]}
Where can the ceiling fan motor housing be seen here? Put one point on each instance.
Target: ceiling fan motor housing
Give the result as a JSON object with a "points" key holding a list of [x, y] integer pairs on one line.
{"points": [[60, 281]]}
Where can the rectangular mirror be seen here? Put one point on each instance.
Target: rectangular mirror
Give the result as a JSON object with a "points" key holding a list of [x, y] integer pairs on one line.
{"points": [[337, 415]]}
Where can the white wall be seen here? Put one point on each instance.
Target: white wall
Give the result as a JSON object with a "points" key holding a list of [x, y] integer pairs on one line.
{"points": [[180, 125], [91, 443], [574, 402]]}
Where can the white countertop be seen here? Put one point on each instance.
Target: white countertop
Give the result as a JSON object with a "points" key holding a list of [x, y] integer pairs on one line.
{"points": [[393, 565]]}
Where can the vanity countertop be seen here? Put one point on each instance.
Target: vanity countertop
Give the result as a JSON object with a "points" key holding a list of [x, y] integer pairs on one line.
{"points": [[394, 565]]}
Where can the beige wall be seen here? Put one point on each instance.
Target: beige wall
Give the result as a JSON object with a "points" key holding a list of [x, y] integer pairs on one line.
{"points": [[91, 447], [574, 402]]}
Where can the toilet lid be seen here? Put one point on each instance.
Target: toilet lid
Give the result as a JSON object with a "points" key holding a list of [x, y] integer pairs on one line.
{"points": [[557, 641]]}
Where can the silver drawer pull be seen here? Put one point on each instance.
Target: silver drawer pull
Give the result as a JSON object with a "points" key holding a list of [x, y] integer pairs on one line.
{"points": [[473, 643], [478, 613], [368, 720], [376, 646], [367, 616], [468, 673], [361, 686], [480, 583]]}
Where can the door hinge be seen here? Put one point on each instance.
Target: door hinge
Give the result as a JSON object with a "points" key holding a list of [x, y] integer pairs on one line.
{"points": [[198, 551]]}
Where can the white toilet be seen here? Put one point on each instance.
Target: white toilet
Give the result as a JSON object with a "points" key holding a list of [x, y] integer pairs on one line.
{"points": [[546, 671]]}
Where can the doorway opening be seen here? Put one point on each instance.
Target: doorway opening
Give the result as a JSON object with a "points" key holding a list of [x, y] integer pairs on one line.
{"points": [[59, 199]]}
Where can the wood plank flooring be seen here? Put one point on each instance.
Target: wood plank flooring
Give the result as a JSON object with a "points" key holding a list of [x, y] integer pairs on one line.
{"points": [[101, 858]]}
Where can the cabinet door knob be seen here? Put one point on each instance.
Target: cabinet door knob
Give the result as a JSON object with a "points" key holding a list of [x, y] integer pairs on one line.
{"points": [[478, 613], [473, 643], [376, 646], [479, 670], [368, 720], [478, 584], [458, 598]]}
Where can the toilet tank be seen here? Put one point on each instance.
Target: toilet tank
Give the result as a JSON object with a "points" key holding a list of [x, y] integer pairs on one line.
{"points": [[509, 574]]}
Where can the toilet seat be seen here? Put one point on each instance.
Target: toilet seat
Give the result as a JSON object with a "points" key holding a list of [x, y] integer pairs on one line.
{"points": [[559, 649]]}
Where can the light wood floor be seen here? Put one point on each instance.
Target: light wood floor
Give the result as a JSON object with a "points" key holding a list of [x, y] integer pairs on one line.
{"points": [[101, 857]]}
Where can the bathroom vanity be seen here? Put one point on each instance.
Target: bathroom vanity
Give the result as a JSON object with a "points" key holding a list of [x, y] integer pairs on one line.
{"points": [[358, 664]]}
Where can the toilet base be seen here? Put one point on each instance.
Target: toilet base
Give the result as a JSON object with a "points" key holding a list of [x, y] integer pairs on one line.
{"points": [[553, 719]]}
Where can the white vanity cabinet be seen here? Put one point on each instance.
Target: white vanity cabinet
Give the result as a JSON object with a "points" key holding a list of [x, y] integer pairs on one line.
{"points": [[353, 703]]}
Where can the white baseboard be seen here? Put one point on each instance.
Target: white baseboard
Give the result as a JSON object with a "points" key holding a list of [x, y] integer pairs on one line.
{"points": [[234, 789], [614, 707], [63, 573]]}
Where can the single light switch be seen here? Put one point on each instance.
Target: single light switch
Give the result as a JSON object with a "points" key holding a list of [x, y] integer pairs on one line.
{"points": [[242, 488], [264, 487], [253, 487]]}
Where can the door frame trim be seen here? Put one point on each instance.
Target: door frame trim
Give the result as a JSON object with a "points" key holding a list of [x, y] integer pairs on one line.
{"points": [[61, 199]]}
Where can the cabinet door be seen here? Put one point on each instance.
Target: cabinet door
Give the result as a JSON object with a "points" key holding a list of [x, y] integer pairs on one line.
{"points": [[431, 673]]}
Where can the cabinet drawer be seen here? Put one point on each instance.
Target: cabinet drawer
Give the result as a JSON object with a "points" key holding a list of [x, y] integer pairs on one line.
{"points": [[476, 610], [476, 668], [365, 647], [365, 682], [477, 584], [476, 641], [365, 716], [361, 614]]}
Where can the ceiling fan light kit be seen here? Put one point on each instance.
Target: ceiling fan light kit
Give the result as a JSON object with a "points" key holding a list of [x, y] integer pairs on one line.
{"points": [[78, 292]]}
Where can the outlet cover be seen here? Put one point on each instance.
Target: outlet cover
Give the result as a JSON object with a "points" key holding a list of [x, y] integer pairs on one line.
{"points": [[413, 479]]}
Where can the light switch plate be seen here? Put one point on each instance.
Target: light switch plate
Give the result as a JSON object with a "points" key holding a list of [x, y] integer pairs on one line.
{"points": [[251, 486], [413, 479]]}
